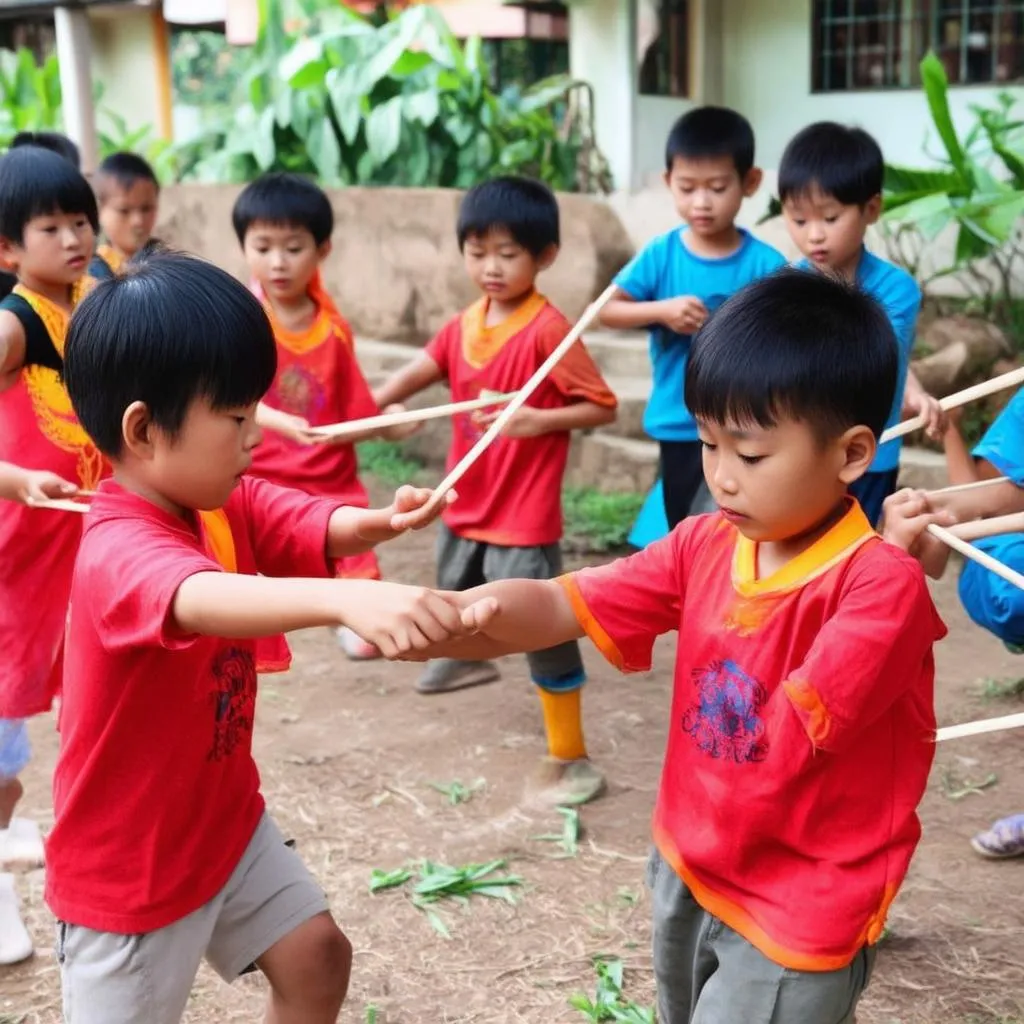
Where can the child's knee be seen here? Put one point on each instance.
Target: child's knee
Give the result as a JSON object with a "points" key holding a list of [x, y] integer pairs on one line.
{"points": [[320, 965]]}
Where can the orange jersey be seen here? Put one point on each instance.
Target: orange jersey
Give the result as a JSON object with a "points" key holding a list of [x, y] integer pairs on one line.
{"points": [[513, 495]]}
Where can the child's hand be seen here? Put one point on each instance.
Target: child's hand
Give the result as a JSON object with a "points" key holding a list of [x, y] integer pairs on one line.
{"points": [[476, 617], [908, 514], [400, 431], [295, 428], [42, 485], [525, 422], [684, 315], [411, 509], [936, 419], [401, 620]]}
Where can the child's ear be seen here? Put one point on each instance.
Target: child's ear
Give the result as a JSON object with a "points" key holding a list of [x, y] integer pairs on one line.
{"points": [[873, 210], [8, 254], [752, 181], [323, 250], [547, 257], [858, 447], [137, 431]]}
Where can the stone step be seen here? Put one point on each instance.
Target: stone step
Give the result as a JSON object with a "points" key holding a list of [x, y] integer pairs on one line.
{"points": [[609, 463], [923, 468], [620, 353]]}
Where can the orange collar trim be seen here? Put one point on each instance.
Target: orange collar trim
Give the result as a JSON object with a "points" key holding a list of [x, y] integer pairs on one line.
{"points": [[480, 343], [300, 342], [55, 318], [111, 256], [839, 543]]}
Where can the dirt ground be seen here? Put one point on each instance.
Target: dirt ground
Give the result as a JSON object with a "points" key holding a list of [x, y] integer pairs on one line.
{"points": [[348, 754]]}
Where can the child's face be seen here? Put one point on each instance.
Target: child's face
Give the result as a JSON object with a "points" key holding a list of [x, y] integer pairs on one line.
{"points": [[128, 215], [204, 463], [777, 483], [55, 249], [709, 191], [500, 267], [829, 233], [283, 258]]}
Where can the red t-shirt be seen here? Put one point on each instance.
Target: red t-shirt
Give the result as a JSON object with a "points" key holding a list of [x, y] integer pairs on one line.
{"points": [[513, 495], [802, 728], [156, 794]]}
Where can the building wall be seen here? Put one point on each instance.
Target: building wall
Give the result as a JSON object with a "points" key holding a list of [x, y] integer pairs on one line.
{"points": [[767, 76], [655, 115], [122, 59]]}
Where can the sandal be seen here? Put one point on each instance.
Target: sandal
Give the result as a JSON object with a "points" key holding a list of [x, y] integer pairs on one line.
{"points": [[1005, 839]]}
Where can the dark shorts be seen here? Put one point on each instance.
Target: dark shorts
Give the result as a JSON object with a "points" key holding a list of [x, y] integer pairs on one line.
{"points": [[872, 489], [463, 564], [682, 478]]}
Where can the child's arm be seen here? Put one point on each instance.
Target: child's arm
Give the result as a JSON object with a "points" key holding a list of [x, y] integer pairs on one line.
{"points": [[960, 464], [532, 422], [351, 530], [917, 402], [908, 514], [396, 618], [28, 485], [419, 374], [12, 348], [293, 427], [684, 315]]}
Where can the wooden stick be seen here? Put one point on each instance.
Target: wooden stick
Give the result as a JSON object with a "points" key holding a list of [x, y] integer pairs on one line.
{"points": [[60, 505], [981, 557], [542, 371], [972, 394], [395, 419], [982, 725], [975, 529], [977, 485]]}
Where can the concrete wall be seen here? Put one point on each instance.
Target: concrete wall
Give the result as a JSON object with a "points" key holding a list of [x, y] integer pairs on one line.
{"points": [[395, 268], [122, 59]]}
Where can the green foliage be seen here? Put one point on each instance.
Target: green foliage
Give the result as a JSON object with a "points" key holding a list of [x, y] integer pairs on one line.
{"points": [[400, 103], [388, 462], [978, 188], [569, 838], [599, 522], [609, 1004], [456, 793]]}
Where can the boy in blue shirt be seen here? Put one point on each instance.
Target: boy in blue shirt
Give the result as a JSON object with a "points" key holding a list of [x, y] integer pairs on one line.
{"points": [[676, 281], [830, 185]]}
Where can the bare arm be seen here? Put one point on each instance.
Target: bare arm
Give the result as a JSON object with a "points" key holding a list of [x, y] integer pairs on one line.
{"points": [[397, 619], [12, 348], [27, 485], [419, 374], [684, 314], [532, 422], [351, 530]]}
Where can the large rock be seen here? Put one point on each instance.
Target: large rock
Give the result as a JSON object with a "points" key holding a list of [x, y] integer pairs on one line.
{"points": [[962, 349], [395, 268]]}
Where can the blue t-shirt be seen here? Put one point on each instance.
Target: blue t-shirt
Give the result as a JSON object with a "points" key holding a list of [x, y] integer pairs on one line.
{"points": [[666, 269], [1003, 443], [900, 296]]}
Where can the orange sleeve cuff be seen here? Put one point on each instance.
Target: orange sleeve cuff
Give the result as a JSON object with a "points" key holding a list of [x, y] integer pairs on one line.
{"points": [[817, 721], [593, 629]]}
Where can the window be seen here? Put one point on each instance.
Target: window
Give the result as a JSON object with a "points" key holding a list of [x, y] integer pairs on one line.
{"points": [[663, 36], [878, 44]]}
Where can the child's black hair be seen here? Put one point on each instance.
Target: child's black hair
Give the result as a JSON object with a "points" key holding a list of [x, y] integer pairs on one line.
{"points": [[35, 182], [54, 142], [842, 162], [799, 345], [711, 132], [168, 330], [286, 200], [124, 170], [525, 208]]}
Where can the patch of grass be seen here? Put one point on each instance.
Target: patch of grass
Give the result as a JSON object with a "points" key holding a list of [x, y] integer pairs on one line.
{"points": [[388, 462], [956, 788], [456, 792], [438, 883], [1002, 689], [609, 1004], [569, 838], [599, 522]]}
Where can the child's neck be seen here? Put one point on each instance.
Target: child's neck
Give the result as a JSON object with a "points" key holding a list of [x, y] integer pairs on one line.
{"points": [[130, 482], [294, 314], [498, 311], [713, 247], [58, 294], [848, 270], [773, 555]]}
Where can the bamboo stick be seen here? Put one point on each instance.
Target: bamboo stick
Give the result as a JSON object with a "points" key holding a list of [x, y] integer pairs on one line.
{"points": [[994, 526], [59, 505], [976, 486], [982, 725], [981, 557]]}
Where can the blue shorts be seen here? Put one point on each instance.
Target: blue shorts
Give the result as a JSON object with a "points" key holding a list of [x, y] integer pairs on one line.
{"points": [[14, 747]]}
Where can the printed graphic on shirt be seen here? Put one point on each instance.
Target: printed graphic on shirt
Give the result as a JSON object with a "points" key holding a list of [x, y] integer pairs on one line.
{"points": [[298, 391], [726, 720], [233, 695]]}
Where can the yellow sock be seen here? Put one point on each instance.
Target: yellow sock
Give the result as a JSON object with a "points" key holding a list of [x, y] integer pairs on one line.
{"points": [[563, 722]]}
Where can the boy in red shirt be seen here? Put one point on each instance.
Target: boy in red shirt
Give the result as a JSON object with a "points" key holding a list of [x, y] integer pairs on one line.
{"points": [[161, 851], [284, 224], [508, 520], [802, 727]]}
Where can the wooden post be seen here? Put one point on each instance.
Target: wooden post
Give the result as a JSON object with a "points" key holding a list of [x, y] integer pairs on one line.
{"points": [[74, 51], [162, 70]]}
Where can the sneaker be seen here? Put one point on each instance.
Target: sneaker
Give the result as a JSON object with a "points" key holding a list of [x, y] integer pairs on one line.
{"points": [[567, 783], [15, 942], [21, 846], [443, 675], [355, 647], [1005, 839]]}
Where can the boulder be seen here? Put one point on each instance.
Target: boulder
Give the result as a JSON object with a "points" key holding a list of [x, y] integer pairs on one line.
{"points": [[395, 267], [962, 349]]}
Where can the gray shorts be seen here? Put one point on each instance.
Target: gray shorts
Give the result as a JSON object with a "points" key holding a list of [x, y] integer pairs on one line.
{"points": [[463, 564], [108, 978], [708, 974]]}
